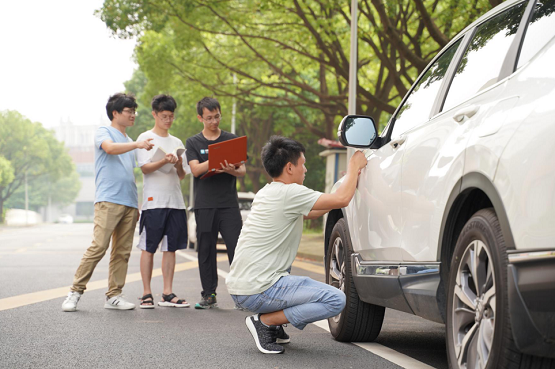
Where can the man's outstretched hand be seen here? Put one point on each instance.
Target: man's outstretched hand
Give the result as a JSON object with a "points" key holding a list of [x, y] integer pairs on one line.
{"points": [[358, 161], [145, 144]]}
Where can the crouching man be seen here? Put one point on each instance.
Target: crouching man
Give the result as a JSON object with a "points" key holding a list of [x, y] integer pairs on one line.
{"points": [[259, 279]]}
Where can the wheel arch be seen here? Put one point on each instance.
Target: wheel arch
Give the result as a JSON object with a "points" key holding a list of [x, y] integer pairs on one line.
{"points": [[473, 192], [333, 216]]}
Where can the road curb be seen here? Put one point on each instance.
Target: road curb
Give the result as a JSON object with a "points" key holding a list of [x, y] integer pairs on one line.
{"points": [[311, 257]]}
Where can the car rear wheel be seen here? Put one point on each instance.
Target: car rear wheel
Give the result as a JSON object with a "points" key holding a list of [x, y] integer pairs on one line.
{"points": [[478, 325], [359, 321]]}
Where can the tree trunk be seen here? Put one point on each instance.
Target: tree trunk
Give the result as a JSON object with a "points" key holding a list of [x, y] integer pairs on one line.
{"points": [[254, 176], [1, 210], [242, 187]]}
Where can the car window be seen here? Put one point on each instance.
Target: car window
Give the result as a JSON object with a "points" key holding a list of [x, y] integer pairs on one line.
{"points": [[418, 105], [540, 30], [482, 61]]}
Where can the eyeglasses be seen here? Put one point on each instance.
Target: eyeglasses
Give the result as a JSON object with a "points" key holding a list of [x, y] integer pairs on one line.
{"points": [[216, 117], [130, 111], [166, 118]]}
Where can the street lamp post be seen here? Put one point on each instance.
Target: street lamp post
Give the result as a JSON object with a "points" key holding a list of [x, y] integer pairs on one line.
{"points": [[234, 106], [353, 65], [26, 201]]}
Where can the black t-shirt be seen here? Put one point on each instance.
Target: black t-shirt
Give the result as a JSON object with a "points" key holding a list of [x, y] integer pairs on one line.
{"points": [[218, 191]]}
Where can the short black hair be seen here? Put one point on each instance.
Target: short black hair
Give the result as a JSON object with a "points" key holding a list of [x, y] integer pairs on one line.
{"points": [[118, 102], [209, 103], [279, 151], [163, 103]]}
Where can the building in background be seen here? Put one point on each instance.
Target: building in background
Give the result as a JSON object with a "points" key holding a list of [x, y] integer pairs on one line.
{"points": [[79, 139]]}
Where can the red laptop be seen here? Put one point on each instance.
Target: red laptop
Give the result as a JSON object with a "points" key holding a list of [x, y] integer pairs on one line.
{"points": [[234, 151]]}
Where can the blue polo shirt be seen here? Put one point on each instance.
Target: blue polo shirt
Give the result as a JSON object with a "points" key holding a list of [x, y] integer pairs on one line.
{"points": [[114, 177]]}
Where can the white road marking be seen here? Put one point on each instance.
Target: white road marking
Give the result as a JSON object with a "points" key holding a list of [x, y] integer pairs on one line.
{"points": [[389, 354], [385, 352]]}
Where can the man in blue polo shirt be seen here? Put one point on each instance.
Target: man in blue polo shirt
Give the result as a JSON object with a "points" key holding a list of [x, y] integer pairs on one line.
{"points": [[116, 204]]}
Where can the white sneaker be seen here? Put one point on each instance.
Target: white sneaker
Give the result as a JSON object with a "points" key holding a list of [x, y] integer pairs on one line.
{"points": [[70, 303], [118, 303]]}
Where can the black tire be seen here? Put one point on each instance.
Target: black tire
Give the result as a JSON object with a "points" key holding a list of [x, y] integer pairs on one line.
{"points": [[478, 312], [359, 321]]}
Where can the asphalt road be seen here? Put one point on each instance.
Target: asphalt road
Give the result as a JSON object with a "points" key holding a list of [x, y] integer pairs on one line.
{"points": [[37, 266]]}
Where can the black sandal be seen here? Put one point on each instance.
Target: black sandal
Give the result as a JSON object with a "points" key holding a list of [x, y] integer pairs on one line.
{"points": [[144, 302], [168, 301]]}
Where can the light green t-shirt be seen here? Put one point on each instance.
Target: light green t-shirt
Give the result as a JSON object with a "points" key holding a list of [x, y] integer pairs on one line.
{"points": [[270, 237]]}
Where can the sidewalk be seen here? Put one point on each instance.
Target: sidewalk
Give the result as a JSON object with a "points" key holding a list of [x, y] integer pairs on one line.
{"points": [[312, 247]]}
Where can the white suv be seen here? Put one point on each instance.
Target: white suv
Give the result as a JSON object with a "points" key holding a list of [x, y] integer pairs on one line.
{"points": [[453, 219]]}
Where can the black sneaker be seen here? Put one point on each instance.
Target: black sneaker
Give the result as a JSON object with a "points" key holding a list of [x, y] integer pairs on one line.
{"points": [[207, 302], [264, 336], [281, 336]]}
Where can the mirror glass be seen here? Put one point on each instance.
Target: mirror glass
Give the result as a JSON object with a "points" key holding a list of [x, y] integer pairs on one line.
{"points": [[359, 131]]}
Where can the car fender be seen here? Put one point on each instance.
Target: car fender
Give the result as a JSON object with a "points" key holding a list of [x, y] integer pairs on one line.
{"points": [[455, 204], [332, 217]]}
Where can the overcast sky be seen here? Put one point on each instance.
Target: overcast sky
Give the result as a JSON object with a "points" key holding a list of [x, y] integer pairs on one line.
{"points": [[59, 61]]}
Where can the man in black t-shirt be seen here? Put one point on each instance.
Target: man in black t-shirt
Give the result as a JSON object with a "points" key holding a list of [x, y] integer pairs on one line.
{"points": [[216, 205]]}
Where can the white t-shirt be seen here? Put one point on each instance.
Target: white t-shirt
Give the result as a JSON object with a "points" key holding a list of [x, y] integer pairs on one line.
{"points": [[161, 190], [270, 237]]}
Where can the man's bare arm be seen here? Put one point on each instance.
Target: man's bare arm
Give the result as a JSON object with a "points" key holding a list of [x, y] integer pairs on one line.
{"points": [[197, 168], [179, 166], [314, 214], [112, 148], [345, 192]]}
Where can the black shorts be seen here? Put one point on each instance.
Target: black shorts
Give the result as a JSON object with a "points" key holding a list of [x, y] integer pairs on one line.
{"points": [[164, 227]]}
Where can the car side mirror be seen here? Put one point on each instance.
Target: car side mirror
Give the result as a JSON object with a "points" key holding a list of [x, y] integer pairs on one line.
{"points": [[357, 131]]}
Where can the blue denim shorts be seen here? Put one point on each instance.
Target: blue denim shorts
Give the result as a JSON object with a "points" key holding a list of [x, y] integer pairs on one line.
{"points": [[302, 299]]}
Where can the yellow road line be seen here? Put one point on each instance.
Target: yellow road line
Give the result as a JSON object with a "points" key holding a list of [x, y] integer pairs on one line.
{"points": [[41, 296], [314, 268]]}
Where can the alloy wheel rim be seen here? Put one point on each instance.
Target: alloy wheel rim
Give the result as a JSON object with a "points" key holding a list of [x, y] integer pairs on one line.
{"points": [[337, 269], [473, 314]]}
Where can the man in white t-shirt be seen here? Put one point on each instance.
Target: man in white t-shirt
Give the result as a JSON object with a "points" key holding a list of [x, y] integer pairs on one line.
{"points": [[259, 278], [163, 216]]}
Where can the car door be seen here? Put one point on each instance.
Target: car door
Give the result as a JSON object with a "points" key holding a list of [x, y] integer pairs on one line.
{"points": [[376, 224], [436, 152], [374, 215]]}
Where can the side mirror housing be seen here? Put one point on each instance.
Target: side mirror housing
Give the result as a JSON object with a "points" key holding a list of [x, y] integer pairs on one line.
{"points": [[357, 131]]}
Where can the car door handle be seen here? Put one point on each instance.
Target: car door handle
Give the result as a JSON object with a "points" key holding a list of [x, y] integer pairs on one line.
{"points": [[398, 142], [467, 111]]}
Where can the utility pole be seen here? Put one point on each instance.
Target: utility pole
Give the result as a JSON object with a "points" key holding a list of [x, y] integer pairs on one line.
{"points": [[26, 202], [353, 66], [234, 106]]}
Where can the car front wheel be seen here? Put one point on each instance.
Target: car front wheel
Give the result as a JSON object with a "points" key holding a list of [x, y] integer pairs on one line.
{"points": [[359, 321], [478, 324]]}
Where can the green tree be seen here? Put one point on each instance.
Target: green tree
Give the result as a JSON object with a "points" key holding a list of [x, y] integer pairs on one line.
{"points": [[292, 53], [31, 150], [284, 61], [42, 190], [6, 172]]}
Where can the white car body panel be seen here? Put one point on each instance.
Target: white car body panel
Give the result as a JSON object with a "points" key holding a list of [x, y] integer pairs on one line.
{"points": [[525, 177], [374, 214], [433, 164]]}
